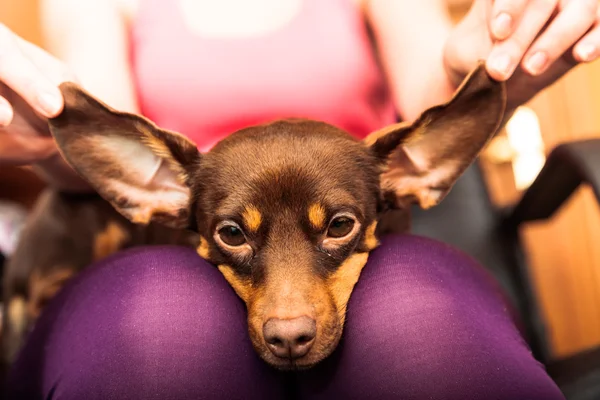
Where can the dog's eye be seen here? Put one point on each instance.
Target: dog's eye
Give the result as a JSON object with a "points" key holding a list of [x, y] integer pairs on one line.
{"points": [[340, 227], [232, 235]]}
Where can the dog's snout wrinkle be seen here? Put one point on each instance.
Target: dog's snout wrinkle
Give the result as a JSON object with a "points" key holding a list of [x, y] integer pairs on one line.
{"points": [[290, 338]]}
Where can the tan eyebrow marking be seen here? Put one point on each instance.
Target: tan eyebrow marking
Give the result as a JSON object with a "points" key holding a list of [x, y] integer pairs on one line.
{"points": [[252, 218], [316, 215]]}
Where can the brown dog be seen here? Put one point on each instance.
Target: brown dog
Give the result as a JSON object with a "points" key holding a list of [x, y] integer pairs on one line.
{"points": [[63, 234], [288, 211]]}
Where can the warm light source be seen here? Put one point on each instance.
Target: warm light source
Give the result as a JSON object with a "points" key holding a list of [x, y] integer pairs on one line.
{"points": [[525, 139]]}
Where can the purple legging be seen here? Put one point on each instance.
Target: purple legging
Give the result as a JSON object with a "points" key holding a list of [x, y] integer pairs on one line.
{"points": [[424, 322]]}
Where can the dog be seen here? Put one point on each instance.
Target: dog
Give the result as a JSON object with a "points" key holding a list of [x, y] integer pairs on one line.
{"points": [[65, 233], [288, 211]]}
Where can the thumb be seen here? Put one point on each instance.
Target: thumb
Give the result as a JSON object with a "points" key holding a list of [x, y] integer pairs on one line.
{"points": [[469, 42]]}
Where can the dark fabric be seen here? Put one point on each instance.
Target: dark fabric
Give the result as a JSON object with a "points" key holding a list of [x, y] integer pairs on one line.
{"points": [[424, 322], [427, 322]]}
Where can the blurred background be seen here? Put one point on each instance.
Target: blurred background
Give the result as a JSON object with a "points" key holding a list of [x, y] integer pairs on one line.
{"points": [[563, 252]]}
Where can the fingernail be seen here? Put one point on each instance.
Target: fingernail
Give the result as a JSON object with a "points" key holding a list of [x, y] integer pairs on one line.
{"points": [[50, 103], [536, 63], [587, 52], [502, 64], [502, 25]]}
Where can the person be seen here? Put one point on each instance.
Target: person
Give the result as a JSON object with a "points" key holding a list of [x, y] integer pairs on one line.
{"points": [[424, 321]]}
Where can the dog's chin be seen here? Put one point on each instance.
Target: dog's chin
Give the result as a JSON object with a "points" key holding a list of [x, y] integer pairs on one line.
{"points": [[299, 364]]}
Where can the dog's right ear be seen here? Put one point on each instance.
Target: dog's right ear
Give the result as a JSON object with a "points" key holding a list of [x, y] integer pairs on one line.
{"points": [[143, 171]]}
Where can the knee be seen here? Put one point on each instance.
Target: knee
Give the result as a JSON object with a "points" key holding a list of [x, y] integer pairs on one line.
{"points": [[424, 322], [417, 274], [148, 321], [150, 293], [425, 302], [165, 300], [431, 357]]}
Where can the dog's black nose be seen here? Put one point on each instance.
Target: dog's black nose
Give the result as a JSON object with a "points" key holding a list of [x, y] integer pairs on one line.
{"points": [[290, 338]]}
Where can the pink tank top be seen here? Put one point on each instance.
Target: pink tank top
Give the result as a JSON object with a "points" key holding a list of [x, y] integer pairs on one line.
{"points": [[320, 66]]}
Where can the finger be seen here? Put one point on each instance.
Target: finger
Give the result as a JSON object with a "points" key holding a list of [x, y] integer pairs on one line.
{"points": [[6, 112], [588, 47], [21, 75], [505, 16], [506, 55], [565, 30], [19, 150]]}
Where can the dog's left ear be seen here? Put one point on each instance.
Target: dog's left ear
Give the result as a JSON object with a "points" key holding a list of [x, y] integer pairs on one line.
{"points": [[423, 160], [145, 172]]}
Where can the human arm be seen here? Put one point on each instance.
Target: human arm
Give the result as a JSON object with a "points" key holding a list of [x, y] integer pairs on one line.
{"points": [[565, 32], [86, 42]]}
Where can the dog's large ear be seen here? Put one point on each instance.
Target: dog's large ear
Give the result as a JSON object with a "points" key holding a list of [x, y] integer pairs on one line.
{"points": [[423, 160], [143, 171]]}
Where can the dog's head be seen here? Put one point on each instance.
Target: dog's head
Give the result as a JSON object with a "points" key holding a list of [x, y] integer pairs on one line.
{"points": [[288, 210]]}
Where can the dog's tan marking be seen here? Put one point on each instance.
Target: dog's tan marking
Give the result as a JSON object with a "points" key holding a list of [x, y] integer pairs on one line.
{"points": [[110, 240], [343, 280], [243, 287], [371, 241], [144, 215], [203, 250], [158, 213], [43, 287], [141, 217], [316, 215], [252, 218], [17, 314]]}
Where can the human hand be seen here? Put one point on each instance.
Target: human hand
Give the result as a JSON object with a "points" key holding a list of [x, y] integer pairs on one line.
{"points": [[528, 43], [29, 94]]}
